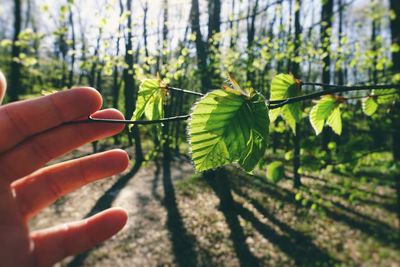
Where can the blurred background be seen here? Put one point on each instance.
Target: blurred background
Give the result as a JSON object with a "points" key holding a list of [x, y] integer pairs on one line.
{"points": [[324, 200]]}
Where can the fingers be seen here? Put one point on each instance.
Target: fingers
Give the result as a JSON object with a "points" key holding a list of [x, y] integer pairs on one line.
{"points": [[20, 120], [42, 188], [54, 244], [3, 86], [33, 153]]}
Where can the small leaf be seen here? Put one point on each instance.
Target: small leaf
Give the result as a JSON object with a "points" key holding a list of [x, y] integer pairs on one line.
{"points": [[335, 121], [285, 86], [226, 128], [326, 109], [150, 100], [369, 105], [386, 96], [275, 171]]}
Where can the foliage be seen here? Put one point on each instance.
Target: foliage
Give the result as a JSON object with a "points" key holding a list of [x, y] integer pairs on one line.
{"points": [[284, 86], [151, 96], [228, 126], [275, 171], [326, 111]]}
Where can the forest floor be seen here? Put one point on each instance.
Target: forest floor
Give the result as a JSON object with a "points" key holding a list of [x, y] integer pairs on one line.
{"points": [[180, 222]]}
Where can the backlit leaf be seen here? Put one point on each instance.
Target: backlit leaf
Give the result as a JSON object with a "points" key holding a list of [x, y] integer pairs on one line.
{"points": [[369, 105], [285, 86], [226, 127], [150, 100], [335, 120], [326, 110], [386, 96]]}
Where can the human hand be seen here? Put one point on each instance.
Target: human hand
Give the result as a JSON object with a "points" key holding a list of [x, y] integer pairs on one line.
{"points": [[32, 133]]}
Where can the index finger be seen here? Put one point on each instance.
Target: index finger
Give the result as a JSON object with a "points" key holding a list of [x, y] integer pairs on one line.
{"points": [[3, 86], [20, 120]]}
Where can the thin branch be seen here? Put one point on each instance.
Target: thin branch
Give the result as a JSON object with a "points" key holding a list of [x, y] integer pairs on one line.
{"points": [[333, 89], [140, 122], [185, 91], [370, 95], [272, 104]]}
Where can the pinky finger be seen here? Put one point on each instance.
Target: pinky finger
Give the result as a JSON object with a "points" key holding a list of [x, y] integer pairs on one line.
{"points": [[54, 244]]}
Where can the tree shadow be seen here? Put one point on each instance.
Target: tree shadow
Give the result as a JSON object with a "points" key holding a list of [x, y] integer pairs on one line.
{"points": [[103, 203], [220, 184], [156, 181], [369, 227], [182, 242], [302, 252], [330, 188], [296, 245]]}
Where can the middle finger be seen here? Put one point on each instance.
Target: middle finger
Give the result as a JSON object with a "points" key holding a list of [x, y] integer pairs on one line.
{"points": [[35, 152]]}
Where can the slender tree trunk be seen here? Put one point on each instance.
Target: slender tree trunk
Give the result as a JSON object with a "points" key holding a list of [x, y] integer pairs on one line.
{"points": [[145, 11], [200, 47], [251, 31], [130, 93], [395, 29], [232, 37], [374, 42], [73, 46], [214, 27], [15, 71], [116, 84], [296, 71], [326, 27], [339, 72]]}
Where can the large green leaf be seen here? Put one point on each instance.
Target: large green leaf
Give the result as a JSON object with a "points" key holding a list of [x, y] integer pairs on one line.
{"points": [[227, 127], [326, 109], [285, 86], [150, 100], [369, 105]]}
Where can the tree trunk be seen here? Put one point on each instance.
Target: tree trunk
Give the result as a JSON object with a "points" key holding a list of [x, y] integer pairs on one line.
{"points": [[251, 31], [296, 72], [200, 47], [395, 29], [15, 71], [214, 27], [130, 93], [326, 26], [73, 46], [339, 71]]}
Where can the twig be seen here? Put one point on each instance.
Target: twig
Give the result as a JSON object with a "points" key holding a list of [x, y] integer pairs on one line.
{"points": [[272, 104], [141, 122], [333, 89], [185, 91]]}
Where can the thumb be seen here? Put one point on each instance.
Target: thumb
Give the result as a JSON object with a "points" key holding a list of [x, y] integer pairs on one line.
{"points": [[3, 86]]}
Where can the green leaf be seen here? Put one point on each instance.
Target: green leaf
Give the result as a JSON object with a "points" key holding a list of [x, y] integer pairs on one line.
{"points": [[285, 86], [369, 105], [335, 121], [227, 127], [386, 96], [275, 171], [326, 109], [150, 100]]}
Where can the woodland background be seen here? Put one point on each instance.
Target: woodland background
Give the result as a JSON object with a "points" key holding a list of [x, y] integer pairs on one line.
{"points": [[338, 203]]}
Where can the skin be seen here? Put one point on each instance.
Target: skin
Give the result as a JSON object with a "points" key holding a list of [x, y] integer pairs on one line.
{"points": [[32, 133]]}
